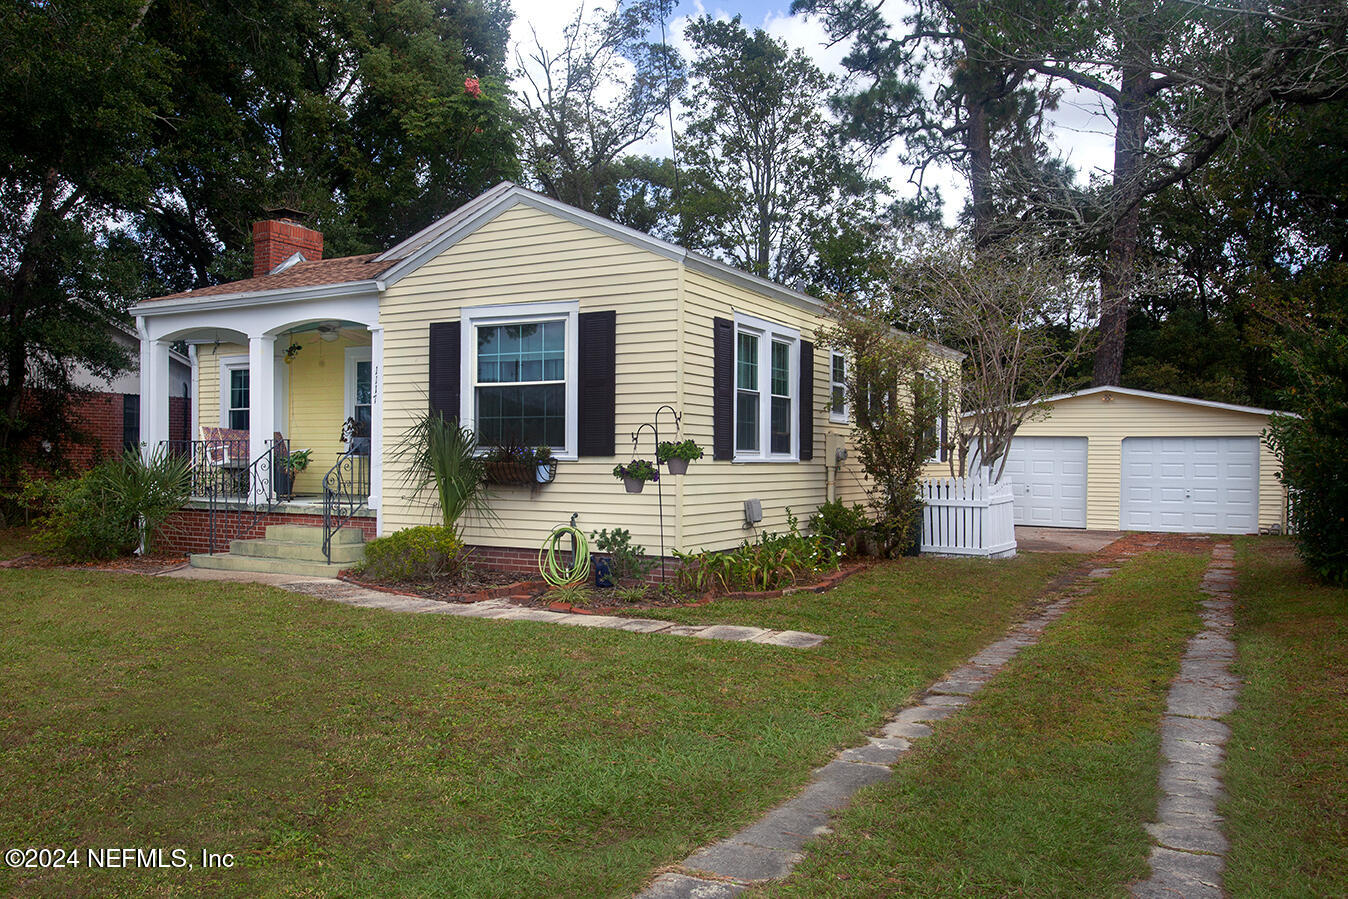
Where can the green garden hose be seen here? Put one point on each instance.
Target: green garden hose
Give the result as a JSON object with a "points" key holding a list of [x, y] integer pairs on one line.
{"points": [[553, 571]]}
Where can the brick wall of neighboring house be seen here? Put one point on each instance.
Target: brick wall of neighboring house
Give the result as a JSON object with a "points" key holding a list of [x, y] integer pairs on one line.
{"points": [[103, 419], [189, 530]]}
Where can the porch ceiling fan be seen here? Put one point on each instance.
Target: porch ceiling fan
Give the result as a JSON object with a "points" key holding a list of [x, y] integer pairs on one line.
{"points": [[328, 331]]}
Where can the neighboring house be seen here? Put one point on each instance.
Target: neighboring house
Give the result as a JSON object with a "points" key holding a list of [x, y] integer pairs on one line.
{"points": [[108, 412], [524, 319], [1112, 458]]}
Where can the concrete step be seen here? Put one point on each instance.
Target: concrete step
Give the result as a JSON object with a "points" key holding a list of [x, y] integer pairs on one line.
{"points": [[346, 553], [231, 562], [303, 533]]}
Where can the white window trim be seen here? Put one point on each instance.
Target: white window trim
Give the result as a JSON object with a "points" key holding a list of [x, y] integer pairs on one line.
{"points": [[515, 313], [844, 415], [942, 416], [766, 332], [227, 365], [356, 354]]}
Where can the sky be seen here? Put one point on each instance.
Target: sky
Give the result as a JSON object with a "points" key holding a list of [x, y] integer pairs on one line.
{"points": [[1080, 128]]}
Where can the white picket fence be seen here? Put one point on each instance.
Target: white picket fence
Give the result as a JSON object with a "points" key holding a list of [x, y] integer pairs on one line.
{"points": [[968, 517]]}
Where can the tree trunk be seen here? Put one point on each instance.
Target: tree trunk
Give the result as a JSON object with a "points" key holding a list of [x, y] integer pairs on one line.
{"points": [[978, 144], [1120, 272]]}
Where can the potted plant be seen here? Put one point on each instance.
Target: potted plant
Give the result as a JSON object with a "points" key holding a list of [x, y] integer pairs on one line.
{"points": [[635, 474], [287, 466], [356, 436], [545, 467], [678, 455]]}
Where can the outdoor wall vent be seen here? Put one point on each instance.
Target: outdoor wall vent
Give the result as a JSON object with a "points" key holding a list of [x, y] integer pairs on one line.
{"points": [[753, 511]]}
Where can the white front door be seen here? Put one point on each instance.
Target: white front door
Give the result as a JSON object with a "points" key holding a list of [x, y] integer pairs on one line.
{"points": [[1048, 481], [1204, 485]]}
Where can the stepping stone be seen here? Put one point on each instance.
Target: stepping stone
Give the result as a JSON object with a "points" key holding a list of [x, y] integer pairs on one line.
{"points": [[681, 886], [917, 713], [787, 827], [731, 632], [1100, 573], [1187, 809], [748, 863], [905, 731], [871, 753], [1200, 730], [607, 621], [642, 625], [945, 700], [531, 615], [852, 774], [957, 687], [1191, 837], [792, 639]]}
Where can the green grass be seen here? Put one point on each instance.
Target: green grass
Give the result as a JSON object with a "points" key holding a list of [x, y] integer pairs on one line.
{"points": [[344, 751], [1287, 762], [14, 542], [1040, 786]]}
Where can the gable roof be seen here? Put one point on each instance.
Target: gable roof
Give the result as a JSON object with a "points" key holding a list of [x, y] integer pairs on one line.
{"points": [[319, 272], [1164, 397]]}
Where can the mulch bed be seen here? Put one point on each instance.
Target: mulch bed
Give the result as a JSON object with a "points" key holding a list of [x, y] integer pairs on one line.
{"points": [[485, 583], [151, 564]]}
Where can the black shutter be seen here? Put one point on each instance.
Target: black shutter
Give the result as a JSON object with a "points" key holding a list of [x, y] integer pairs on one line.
{"points": [[443, 383], [597, 336], [806, 401], [723, 390], [131, 420]]}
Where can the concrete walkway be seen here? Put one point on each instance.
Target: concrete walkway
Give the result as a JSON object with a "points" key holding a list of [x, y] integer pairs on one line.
{"points": [[503, 609], [1188, 855], [770, 847]]}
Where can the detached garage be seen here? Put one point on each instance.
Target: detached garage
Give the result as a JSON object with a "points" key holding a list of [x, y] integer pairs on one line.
{"points": [[1111, 458]]}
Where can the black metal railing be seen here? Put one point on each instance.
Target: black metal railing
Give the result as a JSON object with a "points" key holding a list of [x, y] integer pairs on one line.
{"points": [[237, 491], [346, 490]]}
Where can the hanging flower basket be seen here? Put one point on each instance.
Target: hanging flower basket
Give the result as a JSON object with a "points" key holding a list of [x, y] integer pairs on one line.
{"points": [[510, 472], [635, 474], [634, 485], [677, 466], [678, 455]]}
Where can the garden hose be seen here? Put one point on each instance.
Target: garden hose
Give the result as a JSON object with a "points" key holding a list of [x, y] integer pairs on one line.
{"points": [[553, 571]]}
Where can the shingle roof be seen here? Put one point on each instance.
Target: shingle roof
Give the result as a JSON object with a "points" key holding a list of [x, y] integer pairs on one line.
{"points": [[341, 270]]}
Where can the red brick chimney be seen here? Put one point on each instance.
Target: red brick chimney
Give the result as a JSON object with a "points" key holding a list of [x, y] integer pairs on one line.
{"points": [[282, 236]]}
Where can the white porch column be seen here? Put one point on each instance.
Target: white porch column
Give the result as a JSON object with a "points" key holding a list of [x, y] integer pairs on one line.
{"points": [[261, 400], [154, 391], [377, 425], [194, 417]]}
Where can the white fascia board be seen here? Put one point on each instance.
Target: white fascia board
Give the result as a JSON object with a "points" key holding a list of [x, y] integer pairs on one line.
{"points": [[1149, 395], [368, 288]]}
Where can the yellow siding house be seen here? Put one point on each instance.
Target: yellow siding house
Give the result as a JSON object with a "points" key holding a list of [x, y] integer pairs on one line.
{"points": [[520, 316]]}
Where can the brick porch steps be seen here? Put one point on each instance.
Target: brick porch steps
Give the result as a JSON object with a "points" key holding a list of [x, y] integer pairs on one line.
{"points": [[289, 549]]}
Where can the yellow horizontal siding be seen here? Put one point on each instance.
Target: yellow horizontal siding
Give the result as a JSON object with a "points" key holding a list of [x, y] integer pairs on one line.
{"points": [[528, 256], [208, 381], [315, 404], [1105, 419]]}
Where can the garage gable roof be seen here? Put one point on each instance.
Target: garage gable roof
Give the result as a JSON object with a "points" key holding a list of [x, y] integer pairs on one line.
{"points": [[1164, 397]]}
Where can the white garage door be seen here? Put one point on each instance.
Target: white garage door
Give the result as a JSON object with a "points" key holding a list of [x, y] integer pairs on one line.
{"points": [[1191, 484], [1048, 477]]}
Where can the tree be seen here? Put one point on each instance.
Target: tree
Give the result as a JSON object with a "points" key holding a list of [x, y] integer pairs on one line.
{"points": [[1004, 307], [606, 90], [1313, 445], [768, 173], [893, 407], [80, 91], [376, 119]]}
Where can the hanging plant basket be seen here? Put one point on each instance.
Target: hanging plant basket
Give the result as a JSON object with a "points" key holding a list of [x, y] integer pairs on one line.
{"points": [[544, 472], [633, 485], [511, 472], [677, 466]]}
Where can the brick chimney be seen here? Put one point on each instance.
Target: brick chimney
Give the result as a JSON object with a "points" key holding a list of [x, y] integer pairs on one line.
{"points": [[282, 236]]}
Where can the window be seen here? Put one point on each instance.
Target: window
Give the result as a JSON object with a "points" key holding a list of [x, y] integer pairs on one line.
{"points": [[360, 390], [521, 363], [837, 410], [767, 364], [234, 392], [933, 435], [130, 421]]}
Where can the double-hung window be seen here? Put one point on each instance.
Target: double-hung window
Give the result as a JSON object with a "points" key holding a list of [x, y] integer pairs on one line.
{"points": [[767, 375], [837, 410], [520, 365], [934, 388], [234, 392]]}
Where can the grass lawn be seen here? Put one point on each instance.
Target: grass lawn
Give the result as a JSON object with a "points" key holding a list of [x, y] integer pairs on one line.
{"points": [[343, 751], [1041, 786], [1287, 762], [14, 542]]}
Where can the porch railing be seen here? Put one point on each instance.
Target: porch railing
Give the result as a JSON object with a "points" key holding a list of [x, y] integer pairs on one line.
{"points": [[346, 490], [237, 491]]}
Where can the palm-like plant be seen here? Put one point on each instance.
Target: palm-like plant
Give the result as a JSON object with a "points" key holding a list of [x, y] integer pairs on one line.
{"points": [[440, 453]]}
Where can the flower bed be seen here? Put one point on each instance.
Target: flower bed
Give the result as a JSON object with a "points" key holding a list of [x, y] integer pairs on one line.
{"points": [[473, 585]]}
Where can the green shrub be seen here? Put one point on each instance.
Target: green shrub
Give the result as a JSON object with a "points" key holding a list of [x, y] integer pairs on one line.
{"points": [[771, 562], [414, 554], [112, 507], [840, 524], [626, 559]]}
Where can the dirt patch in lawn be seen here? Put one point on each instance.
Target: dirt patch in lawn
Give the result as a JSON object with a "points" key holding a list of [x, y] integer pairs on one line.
{"points": [[153, 563]]}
